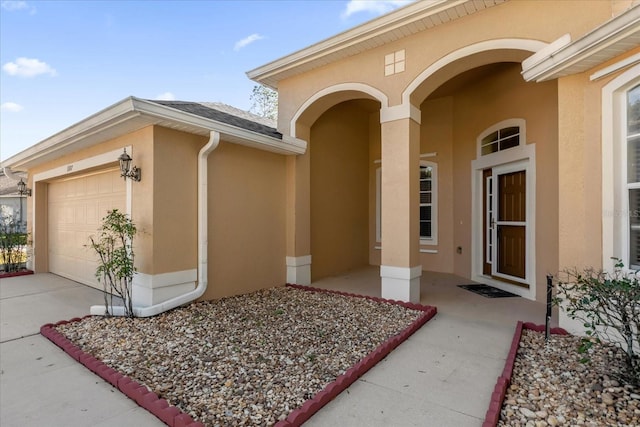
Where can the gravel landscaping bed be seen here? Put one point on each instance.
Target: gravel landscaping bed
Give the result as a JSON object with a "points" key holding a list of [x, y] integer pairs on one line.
{"points": [[244, 360], [551, 387]]}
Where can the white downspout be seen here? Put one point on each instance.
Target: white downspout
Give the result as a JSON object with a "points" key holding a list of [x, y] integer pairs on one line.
{"points": [[214, 140]]}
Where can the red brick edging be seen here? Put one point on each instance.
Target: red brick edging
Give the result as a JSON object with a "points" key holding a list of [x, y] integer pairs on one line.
{"points": [[15, 274], [174, 417], [497, 398]]}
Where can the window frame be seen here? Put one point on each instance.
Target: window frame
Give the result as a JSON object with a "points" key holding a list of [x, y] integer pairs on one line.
{"points": [[433, 240], [508, 123], [627, 187], [615, 204]]}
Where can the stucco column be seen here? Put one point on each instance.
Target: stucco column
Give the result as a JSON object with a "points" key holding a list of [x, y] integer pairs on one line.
{"points": [[400, 269], [298, 258]]}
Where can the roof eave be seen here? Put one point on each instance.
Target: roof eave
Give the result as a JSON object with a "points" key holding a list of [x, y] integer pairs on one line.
{"points": [[569, 58], [132, 114], [270, 74]]}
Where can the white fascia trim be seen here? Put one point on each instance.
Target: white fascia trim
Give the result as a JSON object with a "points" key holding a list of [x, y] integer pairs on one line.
{"points": [[131, 108], [499, 44], [399, 112], [268, 74], [297, 142], [98, 122], [341, 87], [627, 62], [615, 30]]}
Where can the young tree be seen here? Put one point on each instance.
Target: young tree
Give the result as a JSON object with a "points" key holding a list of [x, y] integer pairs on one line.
{"points": [[114, 247], [264, 102]]}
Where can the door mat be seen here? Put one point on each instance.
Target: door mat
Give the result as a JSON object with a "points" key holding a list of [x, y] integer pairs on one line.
{"points": [[488, 291]]}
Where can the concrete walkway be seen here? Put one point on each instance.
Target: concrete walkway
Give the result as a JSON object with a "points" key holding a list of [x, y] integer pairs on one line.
{"points": [[443, 375]]}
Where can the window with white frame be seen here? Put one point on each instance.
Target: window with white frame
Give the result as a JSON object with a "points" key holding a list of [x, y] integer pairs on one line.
{"points": [[428, 207], [500, 139], [428, 203], [632, 130]]}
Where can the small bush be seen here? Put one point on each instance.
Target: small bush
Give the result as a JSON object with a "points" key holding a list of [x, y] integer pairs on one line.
{"points": [[608, 304], [13, 245], [114, 247]]}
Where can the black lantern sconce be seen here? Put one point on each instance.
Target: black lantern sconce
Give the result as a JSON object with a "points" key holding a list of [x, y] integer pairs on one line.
{"points": [[22, 188], [126, 171]]}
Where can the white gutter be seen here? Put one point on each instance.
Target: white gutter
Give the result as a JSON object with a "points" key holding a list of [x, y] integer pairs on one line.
{"points": [[606, 41], [9, 174], [99, 310]]}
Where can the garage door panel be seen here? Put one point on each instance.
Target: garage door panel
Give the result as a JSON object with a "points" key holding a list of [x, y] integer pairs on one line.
{"points": [[76, 209]]}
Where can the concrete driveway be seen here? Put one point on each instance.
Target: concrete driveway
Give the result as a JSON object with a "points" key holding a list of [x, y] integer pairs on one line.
{"points": [[443, 375], [39, 384]]}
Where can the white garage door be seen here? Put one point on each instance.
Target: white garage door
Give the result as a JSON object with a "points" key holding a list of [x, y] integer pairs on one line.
{"points": [[76, 208]]}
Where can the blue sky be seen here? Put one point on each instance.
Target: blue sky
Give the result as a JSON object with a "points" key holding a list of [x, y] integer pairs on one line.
{"points": [[65, 60]]}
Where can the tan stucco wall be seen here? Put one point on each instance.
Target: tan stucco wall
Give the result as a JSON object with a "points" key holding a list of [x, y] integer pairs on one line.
{"points": [[339, 150], [436, 136], [523, 19], [175, 201], [580, 151], [246, 220], [247, 202]]}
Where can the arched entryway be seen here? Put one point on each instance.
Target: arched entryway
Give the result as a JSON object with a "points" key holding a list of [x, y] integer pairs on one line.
{"points": [[460, 104], [342, 127]]}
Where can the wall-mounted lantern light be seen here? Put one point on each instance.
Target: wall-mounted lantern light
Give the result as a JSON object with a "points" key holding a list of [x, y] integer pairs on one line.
{"points": [[22, 188], [126, 171]]}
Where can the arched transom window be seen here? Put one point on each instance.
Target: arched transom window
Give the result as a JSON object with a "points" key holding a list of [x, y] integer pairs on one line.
{"points": [[502, 136]]}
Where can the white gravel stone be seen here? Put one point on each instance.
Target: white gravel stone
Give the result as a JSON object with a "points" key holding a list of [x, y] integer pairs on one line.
{"points": [[244, 360], [550, 381]]}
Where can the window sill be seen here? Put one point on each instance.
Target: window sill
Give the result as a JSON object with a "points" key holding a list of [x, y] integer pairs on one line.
{"points": [[422, 250]]}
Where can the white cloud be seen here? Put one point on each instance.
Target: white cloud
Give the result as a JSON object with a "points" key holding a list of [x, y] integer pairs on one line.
{"points": [[167, 96], [246, 41], [12, 6], [28, 67], [11, 107], [375, 7]]}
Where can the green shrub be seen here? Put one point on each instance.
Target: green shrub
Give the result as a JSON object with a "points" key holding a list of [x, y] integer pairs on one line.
{"points": [[13, 245], [114, 246], [608, 305]]}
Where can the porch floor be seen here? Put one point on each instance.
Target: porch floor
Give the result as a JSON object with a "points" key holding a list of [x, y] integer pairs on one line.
{"points": [[441, 290]]}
